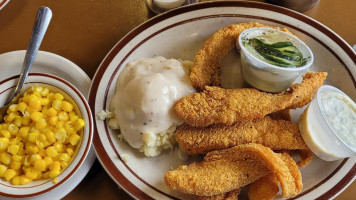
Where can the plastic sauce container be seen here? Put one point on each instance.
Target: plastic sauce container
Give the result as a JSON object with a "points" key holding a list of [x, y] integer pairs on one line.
{"points": [[328, 125], [263, 75]]}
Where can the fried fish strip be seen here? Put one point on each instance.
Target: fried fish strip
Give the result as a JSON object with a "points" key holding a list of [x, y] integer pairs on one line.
{"points": [[232, 195], [229, 169], [275, 134], [205, 71], [265, 188], [217, 105]]}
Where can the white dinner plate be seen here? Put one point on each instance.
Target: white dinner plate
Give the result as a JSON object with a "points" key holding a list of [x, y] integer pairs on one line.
{"points": [[179, 34], [45, 62], [3, 3]]}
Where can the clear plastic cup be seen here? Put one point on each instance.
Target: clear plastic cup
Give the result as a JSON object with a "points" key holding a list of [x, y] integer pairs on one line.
{"points": [[318, 133], [265, 76]]}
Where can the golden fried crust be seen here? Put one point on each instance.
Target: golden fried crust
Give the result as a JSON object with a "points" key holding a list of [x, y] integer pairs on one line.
{"points": [[217, 105], [205, 71], [265, 188], [281, 114], [306, 156], [232, 195], [229, 169], [275, 134]]}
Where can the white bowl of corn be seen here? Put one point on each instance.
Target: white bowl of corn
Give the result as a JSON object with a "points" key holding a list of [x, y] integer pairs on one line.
{"points": [[45, 136]]}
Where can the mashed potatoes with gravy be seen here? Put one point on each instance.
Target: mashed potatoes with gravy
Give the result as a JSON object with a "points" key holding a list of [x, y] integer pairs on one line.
{"points": [[146, 91]]}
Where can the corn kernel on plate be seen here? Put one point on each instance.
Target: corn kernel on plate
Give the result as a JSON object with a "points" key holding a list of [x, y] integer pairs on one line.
{"points": [[43, 149]]}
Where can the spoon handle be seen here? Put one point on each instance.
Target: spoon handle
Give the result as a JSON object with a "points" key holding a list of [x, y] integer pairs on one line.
{"points": [[43, 17]]}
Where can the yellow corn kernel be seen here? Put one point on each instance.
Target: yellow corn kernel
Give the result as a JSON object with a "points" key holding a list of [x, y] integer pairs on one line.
{"points": [[4, 143], [31, 148], [11, 117], [26, 161], [25, 99], [40, 165], [35, 157], [41, 123], [44, 101], [56, 165], [34, 103], [60, 124], [24, 180], [18, 121], [74, 139], [5, 133], [9, 174], [53, 120], [70, 151], [54, 173], [15, 140], [66, 106], [51, 112], [55, 180], [50, 136], [61, 135], [24, 131], [74, 118], [21, 106], [26, 120], [15, 165], [41, 151], [13, 149], [31, 174], [35, 116], [79, 124], [46, 174], [57, 104], [58, 96], [45, 92], [42, 137], [51, 151], [59, 147], [5, 158], [63, 116], [13, 108], [3, 169], [64, 157], [13, 129], [18, 158], [15, 180], [40, 145], [48, 160], [64, 164], [32, 137]]}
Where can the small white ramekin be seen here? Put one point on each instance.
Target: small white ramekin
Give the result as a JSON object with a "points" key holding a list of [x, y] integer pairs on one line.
{"points": [[265, 76], [54, 83], [318, 134]]}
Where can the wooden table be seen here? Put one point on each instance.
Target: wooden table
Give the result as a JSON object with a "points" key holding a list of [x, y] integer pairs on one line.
{"points": [[84, 31]]}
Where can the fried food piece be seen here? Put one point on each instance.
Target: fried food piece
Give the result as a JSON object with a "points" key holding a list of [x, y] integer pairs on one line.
{"points": [[281, 114], [232, 195], [306, 156], [275, 134], [265, 188], [229, 169], [217, 105], [205, 71]]}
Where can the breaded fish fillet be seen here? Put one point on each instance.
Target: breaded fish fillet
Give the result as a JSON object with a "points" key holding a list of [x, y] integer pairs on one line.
{"points": [[217, 105], [265, 188], [232, 195], [275, 134], [205, 71], [225, 170]]}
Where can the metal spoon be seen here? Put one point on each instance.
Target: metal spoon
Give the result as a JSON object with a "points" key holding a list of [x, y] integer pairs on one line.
{"points": [[43, 17]]}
